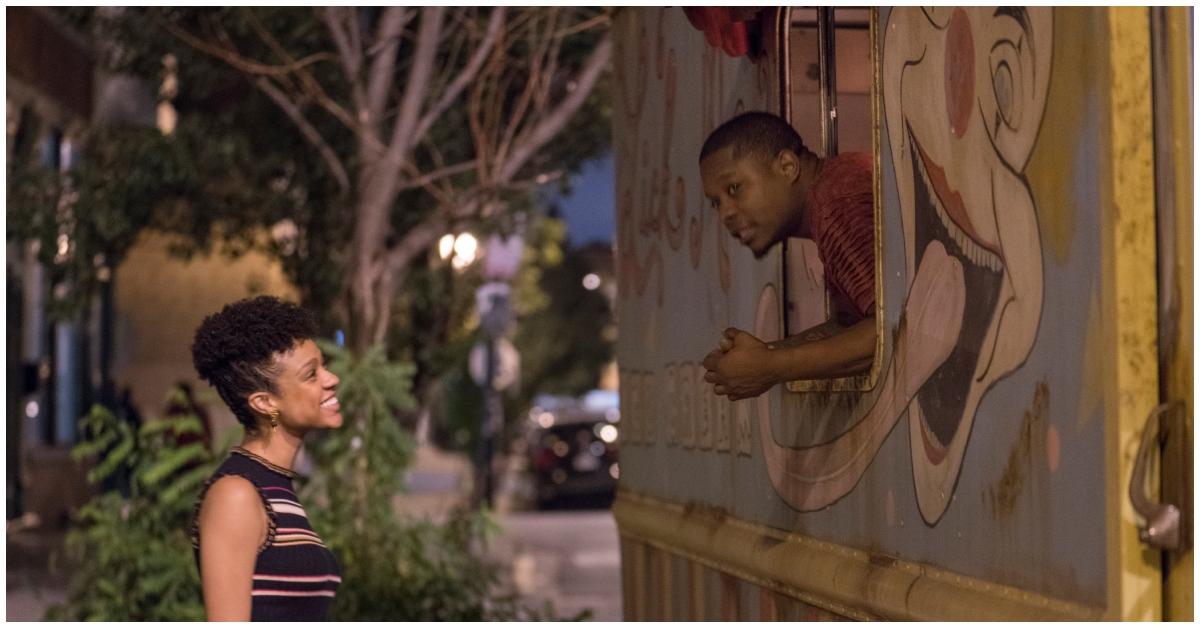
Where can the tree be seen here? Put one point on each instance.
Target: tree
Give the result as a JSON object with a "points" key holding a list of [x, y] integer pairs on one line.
{"points": [[513, 79], [354, 136], [276, 135]]}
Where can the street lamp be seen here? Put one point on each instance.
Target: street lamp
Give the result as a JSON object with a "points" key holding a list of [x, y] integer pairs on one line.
{"points": [[493, 360], [466, 247], [462, 249], [446, 246]]}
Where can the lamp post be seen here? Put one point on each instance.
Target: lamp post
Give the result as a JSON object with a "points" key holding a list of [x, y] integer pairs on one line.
{"points": [[493, 361], [501, 259]]}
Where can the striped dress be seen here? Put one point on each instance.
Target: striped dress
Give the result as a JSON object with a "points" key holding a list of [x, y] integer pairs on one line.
{"points": [[295, 575]]}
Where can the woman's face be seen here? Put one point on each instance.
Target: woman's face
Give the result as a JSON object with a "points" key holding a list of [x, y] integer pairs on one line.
{"points": [[305, 393]]}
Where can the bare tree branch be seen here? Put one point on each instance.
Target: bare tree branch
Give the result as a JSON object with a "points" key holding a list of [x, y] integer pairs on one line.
{"points": [[600, 20], [309, 132], [378, 177], [423, 180], [350, 50], [468, 74], [236, 60], [543, 95], [444, 188], [428, 38], [536, 77], [311, 86], [416, 240], [483, 108], [257, 69], [554, 122], [460, 34], [351, 56], [354, 34], [388, 281], [383, 68], [535, 181], [381, 41]]}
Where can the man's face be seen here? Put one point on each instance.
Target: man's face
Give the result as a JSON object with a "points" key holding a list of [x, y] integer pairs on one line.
{"points": [[752, 195]]}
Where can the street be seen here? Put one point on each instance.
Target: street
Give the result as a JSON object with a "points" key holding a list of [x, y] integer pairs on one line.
{"points": [[35, 579], [571, 558]]}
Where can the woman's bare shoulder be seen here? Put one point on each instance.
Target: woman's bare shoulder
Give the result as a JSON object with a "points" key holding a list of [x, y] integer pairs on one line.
{"points": [[232, 499]]}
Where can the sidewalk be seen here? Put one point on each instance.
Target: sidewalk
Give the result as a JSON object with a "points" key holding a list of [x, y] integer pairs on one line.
{"points": [[571, 559], [37, 576], [438, 482]]}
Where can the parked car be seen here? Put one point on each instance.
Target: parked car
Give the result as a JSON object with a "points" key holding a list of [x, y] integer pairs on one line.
{"points": [[573, 452]]}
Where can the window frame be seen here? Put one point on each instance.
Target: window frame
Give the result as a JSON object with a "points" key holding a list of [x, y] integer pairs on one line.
{"points": [[828, 65]]}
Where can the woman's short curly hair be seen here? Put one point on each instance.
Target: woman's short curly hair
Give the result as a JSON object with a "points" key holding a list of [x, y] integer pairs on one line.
{"points": [[235, 349]]}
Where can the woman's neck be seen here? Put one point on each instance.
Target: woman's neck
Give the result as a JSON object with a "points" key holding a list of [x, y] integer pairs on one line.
{"points": [[278, 446]]}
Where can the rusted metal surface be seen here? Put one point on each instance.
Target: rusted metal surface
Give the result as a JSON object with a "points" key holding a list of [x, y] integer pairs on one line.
{"points": [[845, 582], [1130, 293], [1171, 33]]}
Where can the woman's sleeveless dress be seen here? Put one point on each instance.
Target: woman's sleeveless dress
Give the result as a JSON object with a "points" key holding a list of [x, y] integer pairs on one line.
{"points": [[295, 575]]}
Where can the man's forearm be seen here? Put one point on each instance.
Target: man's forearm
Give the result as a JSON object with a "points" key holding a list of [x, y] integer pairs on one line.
{"points": [[848, 352], [817, 332]]}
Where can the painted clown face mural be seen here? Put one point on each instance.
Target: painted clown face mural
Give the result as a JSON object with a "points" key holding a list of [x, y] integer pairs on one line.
{"points": [[958, 167], [964, 91]]}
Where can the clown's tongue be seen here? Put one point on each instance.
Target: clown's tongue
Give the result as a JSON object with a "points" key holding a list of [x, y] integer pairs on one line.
{"points": [[933, 316]]}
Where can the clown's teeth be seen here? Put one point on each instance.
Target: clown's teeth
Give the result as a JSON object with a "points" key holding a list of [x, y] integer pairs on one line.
{"points": [[970, 249]]}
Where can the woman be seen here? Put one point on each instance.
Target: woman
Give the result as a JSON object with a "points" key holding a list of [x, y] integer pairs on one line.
{"points": [[259, 557]]}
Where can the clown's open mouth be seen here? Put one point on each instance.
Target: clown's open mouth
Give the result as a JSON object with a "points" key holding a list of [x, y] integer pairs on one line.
{"points": [[940, 216]]}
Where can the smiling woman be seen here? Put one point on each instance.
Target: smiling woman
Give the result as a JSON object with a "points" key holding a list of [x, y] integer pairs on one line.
{"points": [[259, 558]]}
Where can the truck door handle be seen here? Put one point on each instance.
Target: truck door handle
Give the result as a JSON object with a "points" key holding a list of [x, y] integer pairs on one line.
{"points": [[1161, 529]]}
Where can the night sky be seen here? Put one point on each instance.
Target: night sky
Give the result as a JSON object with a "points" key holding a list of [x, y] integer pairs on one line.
{"points": [[590, 210]]}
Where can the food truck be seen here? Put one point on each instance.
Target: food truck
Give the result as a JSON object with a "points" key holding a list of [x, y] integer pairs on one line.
{"points": [[1021, 446]]}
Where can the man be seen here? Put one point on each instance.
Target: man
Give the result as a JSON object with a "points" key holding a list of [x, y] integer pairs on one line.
{"points": [[767, 186]]}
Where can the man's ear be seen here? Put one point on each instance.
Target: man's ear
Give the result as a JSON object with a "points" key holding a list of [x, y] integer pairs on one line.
{"points": [[261, 403], [787, 165]]}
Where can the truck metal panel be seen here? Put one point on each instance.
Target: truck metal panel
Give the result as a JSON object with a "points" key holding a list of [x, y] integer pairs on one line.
{"points": [[980, 470]]}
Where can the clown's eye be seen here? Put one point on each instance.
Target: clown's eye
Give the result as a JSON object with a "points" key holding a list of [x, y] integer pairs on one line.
{"points": [[733, 188], [1005, 83]]}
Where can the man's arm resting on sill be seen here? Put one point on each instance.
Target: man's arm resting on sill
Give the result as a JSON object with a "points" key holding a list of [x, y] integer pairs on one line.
{"points": [[825, 351], [744, 366]]}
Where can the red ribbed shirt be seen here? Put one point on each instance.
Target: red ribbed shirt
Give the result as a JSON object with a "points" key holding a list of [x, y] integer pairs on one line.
{"points": [[842, 215]]}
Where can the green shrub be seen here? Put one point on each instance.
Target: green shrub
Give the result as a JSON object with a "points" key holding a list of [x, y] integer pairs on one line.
{"points": [[131, 555], [393, 569]]}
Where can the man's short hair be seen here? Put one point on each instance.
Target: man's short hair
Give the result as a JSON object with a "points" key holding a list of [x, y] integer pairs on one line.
{"points": [[755, 133]]}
